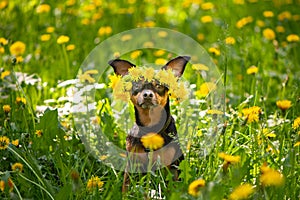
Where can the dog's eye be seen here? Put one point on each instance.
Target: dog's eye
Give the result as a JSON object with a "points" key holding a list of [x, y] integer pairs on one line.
{"points": [[159, 87], [136, 86]]}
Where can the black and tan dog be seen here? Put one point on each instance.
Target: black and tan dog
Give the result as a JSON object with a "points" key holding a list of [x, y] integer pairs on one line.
{"points": [[152, 113]]}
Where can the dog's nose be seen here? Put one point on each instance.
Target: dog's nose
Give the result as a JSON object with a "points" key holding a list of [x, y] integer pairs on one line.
{"points": [[148, 94]]}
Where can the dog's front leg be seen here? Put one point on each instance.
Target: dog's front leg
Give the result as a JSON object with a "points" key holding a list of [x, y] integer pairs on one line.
{"points": [[137, 162]]}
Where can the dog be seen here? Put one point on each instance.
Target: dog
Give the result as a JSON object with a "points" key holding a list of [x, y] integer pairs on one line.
{"points": [[152, 114]]}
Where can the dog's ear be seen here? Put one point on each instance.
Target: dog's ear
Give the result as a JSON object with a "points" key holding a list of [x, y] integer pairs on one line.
{"points": [[121, 66], [177, 65]]}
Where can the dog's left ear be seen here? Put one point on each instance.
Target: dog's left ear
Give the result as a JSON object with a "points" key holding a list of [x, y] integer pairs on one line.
{"points": [[177, 65], [121, 66]]}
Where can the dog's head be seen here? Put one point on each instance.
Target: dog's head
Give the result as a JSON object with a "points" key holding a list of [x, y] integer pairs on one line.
{"points": [[148, 94]]}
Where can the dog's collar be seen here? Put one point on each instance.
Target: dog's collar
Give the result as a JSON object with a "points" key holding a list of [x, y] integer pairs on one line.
{"points": [[168, 122], [144, 130]]}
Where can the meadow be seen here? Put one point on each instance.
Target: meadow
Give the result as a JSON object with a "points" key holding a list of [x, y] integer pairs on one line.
{"points": [[246, 147]]}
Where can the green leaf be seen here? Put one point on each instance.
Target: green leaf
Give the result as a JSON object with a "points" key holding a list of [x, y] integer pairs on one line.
{"points": [[49, 125], [185, 171]]}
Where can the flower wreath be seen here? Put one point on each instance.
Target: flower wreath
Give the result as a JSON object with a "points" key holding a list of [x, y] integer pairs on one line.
{"points": [[122, 85]]}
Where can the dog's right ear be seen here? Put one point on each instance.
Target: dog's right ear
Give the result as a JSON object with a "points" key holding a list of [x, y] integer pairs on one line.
{"points": [[121, 66]]}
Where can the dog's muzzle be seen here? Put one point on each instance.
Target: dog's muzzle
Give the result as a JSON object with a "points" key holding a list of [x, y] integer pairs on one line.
{"points": [[147, 99]]}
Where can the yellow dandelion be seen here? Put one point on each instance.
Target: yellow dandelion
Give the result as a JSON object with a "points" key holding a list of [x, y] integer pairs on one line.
{"points": [[17, 167], [268, 133], [126, 37], [17, 48], [15, 142], [4, 142], [283, 104], [123, 155], [214, 51], [62, 39], [3, 41], [280, 29], [160, 61], [3, 4], [121, 94], [200, 67], [70, 2], [148, 44], [86, 76], [229, 158], [152, 141], [119, 90], [96, 120], [149, 74], [285, 15], [8, 183], [91, 71], [5, 74], [159, 53], [6, 108], [251, 114], [296, 17], [292, 38], [45, 37], [2, 50], [230, 40], [39, 133], [21, 100], [97, 16], [162, 10], [2, 185], [239, 2], [104, 30], [94, 183], [103, 157], [70, 47], [135, 73], [200, 37], [135, 54], [252, 70], [166, 77], [242, 192], [89, 7], [214, 112], [50, 29], [114, 79], [195, 186], [206, 19], [296, 123], [205, 89], [127, 86], [260, 23], [207, 6], [43, 8], [147, 24], [269, 34], [180, 93], [162, 34], [19, 59], [270, 177], [297, 144], [243, 22], [268, 14]]}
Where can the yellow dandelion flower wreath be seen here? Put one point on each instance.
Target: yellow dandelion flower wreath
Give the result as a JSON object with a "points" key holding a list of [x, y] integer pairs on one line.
{"points": [[123, 85]]}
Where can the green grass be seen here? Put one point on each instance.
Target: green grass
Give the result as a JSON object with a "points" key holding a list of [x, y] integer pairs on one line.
{"points": [[57, 164]]}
